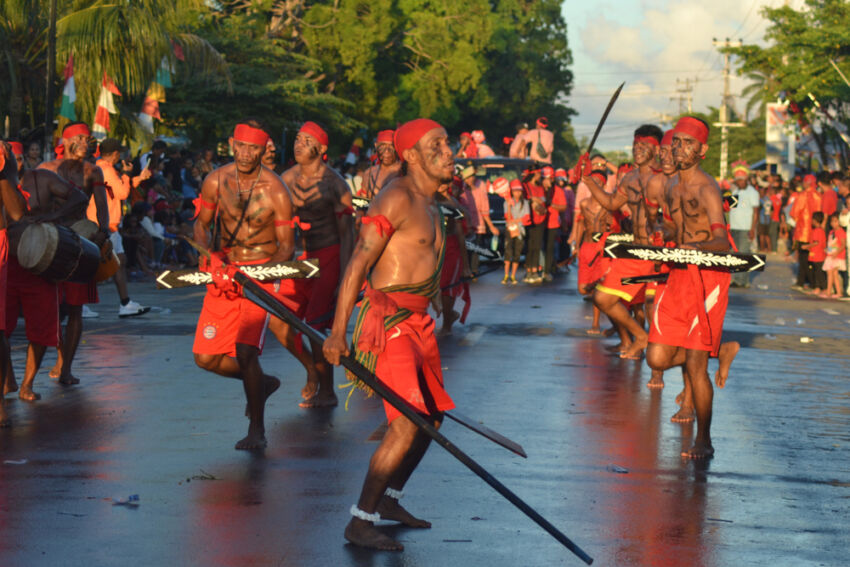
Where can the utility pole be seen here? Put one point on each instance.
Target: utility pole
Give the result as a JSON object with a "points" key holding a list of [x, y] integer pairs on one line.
{"points": [[685, 94], [51, 71], [724, 107]]}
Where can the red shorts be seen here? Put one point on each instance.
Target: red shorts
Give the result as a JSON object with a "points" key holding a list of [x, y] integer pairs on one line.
{"points": [[225, 321], [39, 301], [677, 320], [410, 365], [313, 298], [73, 293], [4, 270], [623, 268], [592, 263], [452, 267]]}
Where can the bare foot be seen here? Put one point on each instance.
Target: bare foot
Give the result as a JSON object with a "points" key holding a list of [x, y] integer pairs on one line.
{"points": [[56, 371], [656, 381], [725, 355], [390, 509], [684, 415], [69, 380], [448, 321], [700, 450], [609, 332], [620, 347], [10, 386], [310, 387], [254, 440], [320, 400], [635, 350], [28, 395], [363, 533], [271, 385], [680, 397], [594, 331]]}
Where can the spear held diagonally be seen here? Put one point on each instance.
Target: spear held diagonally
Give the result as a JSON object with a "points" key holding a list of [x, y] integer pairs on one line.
{"points": [[267, 301]]}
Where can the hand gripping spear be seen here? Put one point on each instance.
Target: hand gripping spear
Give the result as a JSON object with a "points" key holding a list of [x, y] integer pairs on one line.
{"points": [[270, 303]]}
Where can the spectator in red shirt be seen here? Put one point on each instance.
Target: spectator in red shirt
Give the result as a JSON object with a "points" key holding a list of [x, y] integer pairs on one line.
{"points": [[539, 215], [817, 253], [556, 202], [829, 198]]}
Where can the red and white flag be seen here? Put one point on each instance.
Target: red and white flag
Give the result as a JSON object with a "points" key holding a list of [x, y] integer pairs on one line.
{"points": [[105, 107]]}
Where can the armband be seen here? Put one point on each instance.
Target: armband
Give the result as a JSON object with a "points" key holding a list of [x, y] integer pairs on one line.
{"points": [[199, 204], [345, 211], [716, 225], [294, 222], [382, 224], [650, 204]]}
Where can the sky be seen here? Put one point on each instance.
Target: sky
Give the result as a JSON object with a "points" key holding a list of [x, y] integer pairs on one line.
{"points": [[650, 44]]}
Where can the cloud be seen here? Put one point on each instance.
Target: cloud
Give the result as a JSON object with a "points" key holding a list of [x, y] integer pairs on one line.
{"points": [[650, 44]]}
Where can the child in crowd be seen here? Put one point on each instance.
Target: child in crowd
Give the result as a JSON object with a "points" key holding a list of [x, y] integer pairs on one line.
{"points": [[517, 217], [817, 253], [835, 258]]}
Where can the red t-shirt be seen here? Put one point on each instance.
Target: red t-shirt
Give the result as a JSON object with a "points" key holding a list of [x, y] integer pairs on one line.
{"points": [[558, 198], [776, 200], [817, 253], [829, 202], [536, 191]]}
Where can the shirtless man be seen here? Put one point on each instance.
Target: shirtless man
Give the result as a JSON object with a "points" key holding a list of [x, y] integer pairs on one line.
{"points": [[387, 168], [592, 262], [322, 201], [255, 212], [51, 199], [401, 244], [631, 192], [689, 312], [75, 168], [12, 206]]}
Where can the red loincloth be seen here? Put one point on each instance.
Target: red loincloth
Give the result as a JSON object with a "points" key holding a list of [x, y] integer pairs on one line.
{"points": [[690, 309], [592, 263], [73, 293], [315, 298], [39, 301], [623, 268], [408, 359], [225, 321], [452, 273]]}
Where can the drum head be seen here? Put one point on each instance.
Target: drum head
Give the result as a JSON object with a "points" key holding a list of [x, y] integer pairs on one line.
{"points": [[85, 228], [38, 247]]}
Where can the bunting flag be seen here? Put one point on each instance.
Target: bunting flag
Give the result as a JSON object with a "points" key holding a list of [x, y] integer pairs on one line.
{"points": [[105, 107], [156, 93], [69, 93]]}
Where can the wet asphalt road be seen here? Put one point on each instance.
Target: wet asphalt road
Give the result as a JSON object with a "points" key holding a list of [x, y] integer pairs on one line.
{"points": [[146, 421]]}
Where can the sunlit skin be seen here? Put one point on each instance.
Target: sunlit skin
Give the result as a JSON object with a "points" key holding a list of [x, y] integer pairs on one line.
{"points": [[319, 197], [387, 168], [246, 189], [407, 256], [695, 206], [594, 218], [78, 171], [630, 192]]}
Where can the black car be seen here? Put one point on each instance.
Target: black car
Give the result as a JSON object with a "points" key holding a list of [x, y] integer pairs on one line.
{"points": [[489, 169]]}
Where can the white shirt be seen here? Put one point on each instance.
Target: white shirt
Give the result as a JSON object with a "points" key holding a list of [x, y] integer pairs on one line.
{"points": [[741, 216]]}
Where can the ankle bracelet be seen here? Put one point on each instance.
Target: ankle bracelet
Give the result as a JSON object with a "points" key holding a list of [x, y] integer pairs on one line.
{"points": [[394, 494], [358, 513]]}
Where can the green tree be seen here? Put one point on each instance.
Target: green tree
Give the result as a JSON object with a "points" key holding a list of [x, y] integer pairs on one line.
{"points": [[796, 62]]}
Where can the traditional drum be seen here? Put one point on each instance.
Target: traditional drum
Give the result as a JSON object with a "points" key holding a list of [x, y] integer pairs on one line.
{"points": [[109, 263], [57, 253]]}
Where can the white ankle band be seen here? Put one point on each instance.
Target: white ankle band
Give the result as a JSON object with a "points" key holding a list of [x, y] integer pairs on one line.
{"points": [[358, 513], [394, 494]]}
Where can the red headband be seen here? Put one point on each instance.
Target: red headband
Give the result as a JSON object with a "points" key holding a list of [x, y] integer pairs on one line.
{"points": [[250, 135], [17, 148], [667, 140], [385, 137], [647, 139], [411, 132], [599, 177], [313, 129], [75, 130], [693, 128]]}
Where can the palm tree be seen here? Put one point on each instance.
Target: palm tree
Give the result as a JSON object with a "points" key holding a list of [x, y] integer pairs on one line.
{"points": [[126, 39], [757, 94]]}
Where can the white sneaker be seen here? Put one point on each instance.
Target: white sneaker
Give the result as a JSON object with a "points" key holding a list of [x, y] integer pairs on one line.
{"points": [[89, 313], [132, 309]]}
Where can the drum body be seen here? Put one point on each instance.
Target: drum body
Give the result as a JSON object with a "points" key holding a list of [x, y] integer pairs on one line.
{"points": [[109, 265], [57, 253]]}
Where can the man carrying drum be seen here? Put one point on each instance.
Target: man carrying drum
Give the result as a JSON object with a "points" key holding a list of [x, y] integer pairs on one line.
{"points": [[74, 167], [51, 199], [12, 204]]}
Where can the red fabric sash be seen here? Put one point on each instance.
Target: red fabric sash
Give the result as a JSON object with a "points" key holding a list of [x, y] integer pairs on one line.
{"points": [[373, 336]]}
